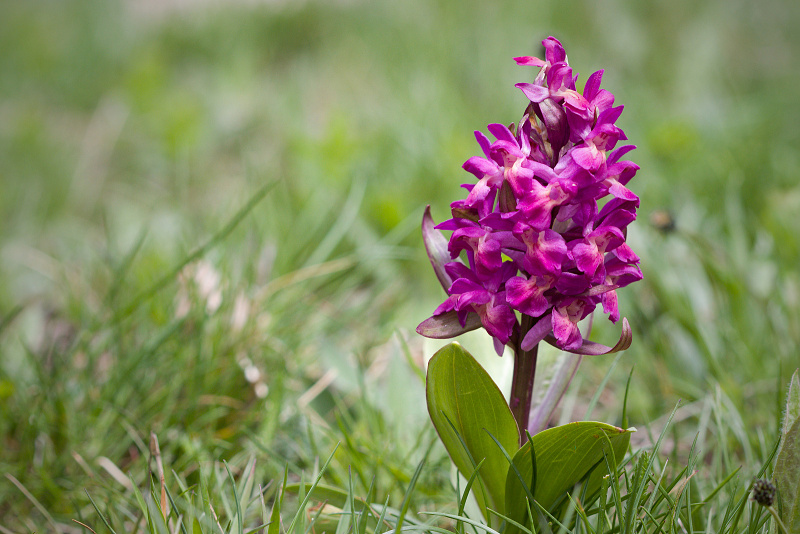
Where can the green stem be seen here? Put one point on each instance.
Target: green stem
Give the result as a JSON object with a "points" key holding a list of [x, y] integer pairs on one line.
{"points": [[777, 519], [522, 380]]}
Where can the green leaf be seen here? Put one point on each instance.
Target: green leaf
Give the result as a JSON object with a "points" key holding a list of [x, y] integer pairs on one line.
{"points": [[466, 406], [564, 456], [275, 516], [792, 412], [787, 464]]}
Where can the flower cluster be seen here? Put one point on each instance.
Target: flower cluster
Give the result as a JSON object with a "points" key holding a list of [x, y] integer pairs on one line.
{"points": [[764, 492], [543, 230]]}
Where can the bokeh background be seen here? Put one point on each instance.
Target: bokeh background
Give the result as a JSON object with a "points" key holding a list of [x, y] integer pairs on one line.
{"points": [[132, 132]]}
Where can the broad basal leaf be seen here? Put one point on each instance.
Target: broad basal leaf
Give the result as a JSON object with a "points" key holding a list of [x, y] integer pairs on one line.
{"points": [[787, 464], [564, 456], [465, 406]]}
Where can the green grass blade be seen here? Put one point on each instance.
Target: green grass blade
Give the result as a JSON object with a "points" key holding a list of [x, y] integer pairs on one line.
{"points": [[364, 511], [175, 508], [513, 466], [462, 503], [639, 491], [347, 517], [625, 400], [382, 517], [410, 489], [275, 516], [306, 497], [237, 499], [510, 522], [215, 239], [477, 524], [601, 387], [102, 517]]}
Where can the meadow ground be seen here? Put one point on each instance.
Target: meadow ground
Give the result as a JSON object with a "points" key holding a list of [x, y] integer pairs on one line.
{"points": [[210, 243]]}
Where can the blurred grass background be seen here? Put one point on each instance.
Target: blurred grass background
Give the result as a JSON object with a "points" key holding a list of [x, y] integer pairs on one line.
{"points": [[132, 132]]}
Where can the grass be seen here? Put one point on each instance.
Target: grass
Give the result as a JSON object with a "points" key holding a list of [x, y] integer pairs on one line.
{"points": [[209, 241]]}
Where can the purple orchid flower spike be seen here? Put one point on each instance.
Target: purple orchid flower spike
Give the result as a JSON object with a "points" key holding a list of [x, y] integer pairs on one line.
{"points": [[539, 242]]}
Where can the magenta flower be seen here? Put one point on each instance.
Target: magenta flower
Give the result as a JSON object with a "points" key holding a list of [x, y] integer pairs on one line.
{"points": [[471, 293], [542, 231], [506, 161]]}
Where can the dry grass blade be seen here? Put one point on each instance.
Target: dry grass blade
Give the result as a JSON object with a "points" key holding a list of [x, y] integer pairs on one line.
{"points": [[84, 525], [155, 450], [34, 501], [115, 472]]}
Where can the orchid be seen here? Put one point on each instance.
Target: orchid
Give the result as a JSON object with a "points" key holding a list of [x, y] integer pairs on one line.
{"points": [[540, 239]]}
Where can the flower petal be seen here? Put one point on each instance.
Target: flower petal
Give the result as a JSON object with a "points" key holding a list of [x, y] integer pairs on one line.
{"points": [[554, 51], [588, 157], [566, 332], [483, 141], [618, 153], [541, 330], [480, 167], [498, 319], [529, 61], [535, 93], [610, 305], [620, 191], [593, 85], [502, 133], [527, 296]]}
